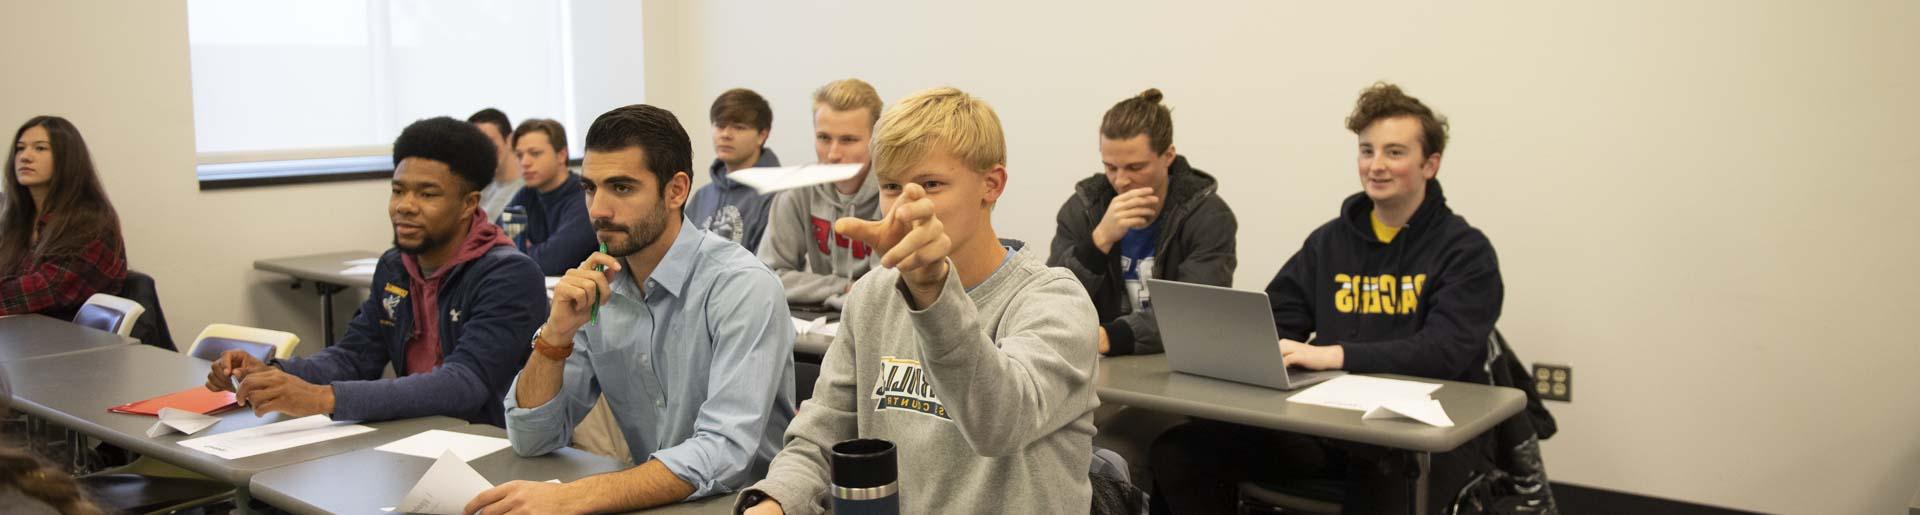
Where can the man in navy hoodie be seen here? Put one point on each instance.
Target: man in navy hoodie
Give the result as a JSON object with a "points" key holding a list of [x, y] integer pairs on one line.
{"points": [[558, 234], [1397, 284], [451, 306]]}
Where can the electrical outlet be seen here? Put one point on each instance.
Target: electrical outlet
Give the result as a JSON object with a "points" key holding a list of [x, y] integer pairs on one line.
{"points": [[1553, 382]]}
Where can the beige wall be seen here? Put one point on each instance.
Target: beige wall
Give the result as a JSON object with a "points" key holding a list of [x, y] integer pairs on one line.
{"points": [[1697, 205]]}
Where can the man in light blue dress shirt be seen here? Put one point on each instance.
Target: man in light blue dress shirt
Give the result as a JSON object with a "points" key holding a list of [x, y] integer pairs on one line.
{"points": [[690, 343]]}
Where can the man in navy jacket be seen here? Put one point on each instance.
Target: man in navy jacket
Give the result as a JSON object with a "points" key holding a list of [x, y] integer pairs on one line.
{"points": [[452, 305]]}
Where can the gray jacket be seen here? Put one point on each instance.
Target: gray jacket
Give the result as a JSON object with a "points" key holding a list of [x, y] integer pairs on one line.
{"points": [[815, 264], [1197, 245]]}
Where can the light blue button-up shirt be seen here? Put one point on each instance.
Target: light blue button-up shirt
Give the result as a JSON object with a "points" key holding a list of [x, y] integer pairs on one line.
{"points": [[697, 368]]}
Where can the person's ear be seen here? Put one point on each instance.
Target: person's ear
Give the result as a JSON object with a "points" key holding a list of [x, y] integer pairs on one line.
{"points": [[470, 203], [677, 189], [996, 184], [1431, 168]]}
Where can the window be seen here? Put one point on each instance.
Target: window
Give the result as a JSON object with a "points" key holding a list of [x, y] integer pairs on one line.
{"points": [[310, 88]]}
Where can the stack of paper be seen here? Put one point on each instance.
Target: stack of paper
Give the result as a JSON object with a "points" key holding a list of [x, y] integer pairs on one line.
{"points": [[820, 326], [446, 488], [1379, 397], [273, 437], [432, 444]]}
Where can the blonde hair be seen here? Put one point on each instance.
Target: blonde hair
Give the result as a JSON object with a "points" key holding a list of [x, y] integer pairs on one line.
{"points": [[848, 95], [944, 118]]}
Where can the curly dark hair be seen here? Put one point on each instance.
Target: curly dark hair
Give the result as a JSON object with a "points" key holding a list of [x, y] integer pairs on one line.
{"points": [[1384, 100], [458, 144], [656, 131]]}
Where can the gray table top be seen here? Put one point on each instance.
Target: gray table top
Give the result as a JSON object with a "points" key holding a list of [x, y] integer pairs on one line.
{"points": [[319, 267], [34, 336], [379, 479], [75, 390], [1147, 382]]}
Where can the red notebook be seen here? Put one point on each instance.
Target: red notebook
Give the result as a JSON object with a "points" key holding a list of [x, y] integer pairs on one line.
{"points": [[197, 399]]}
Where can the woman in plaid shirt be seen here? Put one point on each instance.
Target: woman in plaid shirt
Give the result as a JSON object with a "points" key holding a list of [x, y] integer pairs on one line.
{"points": [[59, 238]]}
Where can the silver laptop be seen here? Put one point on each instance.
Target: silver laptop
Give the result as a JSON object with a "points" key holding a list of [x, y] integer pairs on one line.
{"points": [[1224, 333]]}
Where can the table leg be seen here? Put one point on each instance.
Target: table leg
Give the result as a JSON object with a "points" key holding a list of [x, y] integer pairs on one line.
{"points": [[326, 310], [242, 501], [1422, 465]]}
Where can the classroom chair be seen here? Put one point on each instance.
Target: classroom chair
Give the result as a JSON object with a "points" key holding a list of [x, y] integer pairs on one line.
{"points": [[804, 375], [109, 313]]}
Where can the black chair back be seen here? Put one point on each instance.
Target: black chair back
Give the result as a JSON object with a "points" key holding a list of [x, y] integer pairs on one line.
{"points": [[151, 328]]}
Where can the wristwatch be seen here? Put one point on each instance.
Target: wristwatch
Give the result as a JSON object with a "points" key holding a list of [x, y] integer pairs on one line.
{"points": [[554, 352]]}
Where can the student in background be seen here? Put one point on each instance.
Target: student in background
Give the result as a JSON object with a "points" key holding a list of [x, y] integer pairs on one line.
{"points": [[816, 264], [60, 239], [451, 307], [1396, 284], [741, 123], [966, 351], [1149, 216], [506, 176], [558, 234], [692, 347]]}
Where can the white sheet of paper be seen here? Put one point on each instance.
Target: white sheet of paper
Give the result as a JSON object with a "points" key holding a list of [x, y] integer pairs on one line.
{"points": [[445, 489], [361, 262], [359, 270], [769, 180], [552, 280], [179, 420], [1362, 393], [1424, 410], [431, 444], [273, 437], [819, 326]]}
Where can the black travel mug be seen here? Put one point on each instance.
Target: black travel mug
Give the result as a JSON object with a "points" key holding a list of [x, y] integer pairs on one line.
{"points": [[865, 478]]}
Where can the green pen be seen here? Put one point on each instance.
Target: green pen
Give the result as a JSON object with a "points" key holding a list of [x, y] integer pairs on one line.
{"points": [[594, 318]]}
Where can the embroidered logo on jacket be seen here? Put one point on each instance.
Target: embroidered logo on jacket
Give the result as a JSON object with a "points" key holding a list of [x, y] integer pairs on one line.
{"points": [[904, 386], [392, 302], [1378, 294]]}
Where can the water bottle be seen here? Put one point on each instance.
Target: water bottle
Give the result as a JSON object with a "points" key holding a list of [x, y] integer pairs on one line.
{"points": [[865, 478]]}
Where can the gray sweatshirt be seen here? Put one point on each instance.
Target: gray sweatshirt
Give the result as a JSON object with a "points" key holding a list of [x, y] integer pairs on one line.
{"points": [[815, 264], [988, 395]]}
